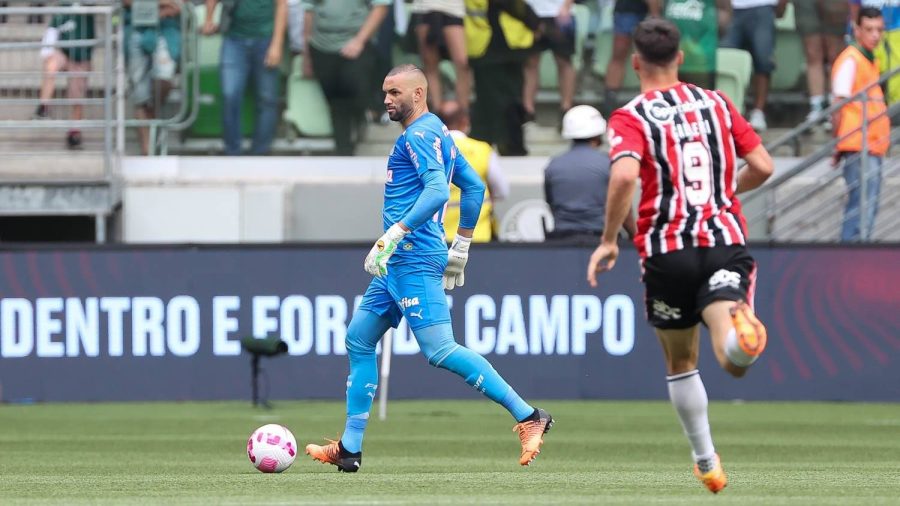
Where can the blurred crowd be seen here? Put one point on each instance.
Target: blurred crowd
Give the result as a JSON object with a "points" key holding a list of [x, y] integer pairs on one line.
{"points": [[493, 47]]}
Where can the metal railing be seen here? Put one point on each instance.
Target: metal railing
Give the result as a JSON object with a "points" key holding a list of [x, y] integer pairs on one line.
{"points": [[21, 72], [106, 104], [775, 208]]}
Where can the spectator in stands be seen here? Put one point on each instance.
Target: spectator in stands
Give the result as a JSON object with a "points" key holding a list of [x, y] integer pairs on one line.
{"points": [[888, 52], [575, 182], [252, 47], [295, 21], [557, 34], [439, 29], [753, 29], [339, 53], [152, 53], [499, 34], [855, 69], [67, 28], [822, 24], [701, 23], [482, 157], [626, 16]]}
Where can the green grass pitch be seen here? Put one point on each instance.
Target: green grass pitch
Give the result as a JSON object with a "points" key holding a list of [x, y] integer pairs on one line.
{"points": [[448, 452]]}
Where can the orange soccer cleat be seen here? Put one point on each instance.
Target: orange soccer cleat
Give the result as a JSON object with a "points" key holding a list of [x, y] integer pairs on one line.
{"points": [[335, 454], [714, 478], [531, 434], [751, 333]]}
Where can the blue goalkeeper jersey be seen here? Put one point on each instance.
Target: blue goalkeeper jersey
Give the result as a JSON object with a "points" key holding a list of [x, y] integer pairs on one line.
{"points": [[426, 145]]}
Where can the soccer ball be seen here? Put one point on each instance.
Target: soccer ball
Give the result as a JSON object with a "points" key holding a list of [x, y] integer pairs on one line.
{"points": [[272, 448]]}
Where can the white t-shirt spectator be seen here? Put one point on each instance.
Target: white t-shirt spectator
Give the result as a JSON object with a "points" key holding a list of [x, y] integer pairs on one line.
{"points": [[844, 77], [455, 8], [546, 8], [749, 4]]}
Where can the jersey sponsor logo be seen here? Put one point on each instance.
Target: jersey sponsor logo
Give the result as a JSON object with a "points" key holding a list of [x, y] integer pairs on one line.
{"points": [[406, 302], [437, 150], [724, 279], [659, 111], [413, 157], [664, 311], [691, 10]]}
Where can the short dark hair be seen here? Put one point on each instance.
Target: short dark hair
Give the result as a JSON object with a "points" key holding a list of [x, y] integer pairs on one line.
{"points": [[656, 40], [404, 68], [868, 12]]}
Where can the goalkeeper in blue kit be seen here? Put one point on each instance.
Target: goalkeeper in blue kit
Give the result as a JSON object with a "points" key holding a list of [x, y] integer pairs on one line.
{"points": [[412, 266]]}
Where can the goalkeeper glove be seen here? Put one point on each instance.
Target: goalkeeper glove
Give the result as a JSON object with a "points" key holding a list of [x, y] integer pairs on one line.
{"points": [[377, 259], [457, 256]]}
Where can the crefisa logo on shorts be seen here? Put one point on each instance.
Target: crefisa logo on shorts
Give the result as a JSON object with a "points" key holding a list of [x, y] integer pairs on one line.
{"points": [[406, 302]]}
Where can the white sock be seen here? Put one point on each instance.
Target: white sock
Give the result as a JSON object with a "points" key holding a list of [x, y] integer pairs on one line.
{"points": [[734, 352], [816, 102], [688, 395]]}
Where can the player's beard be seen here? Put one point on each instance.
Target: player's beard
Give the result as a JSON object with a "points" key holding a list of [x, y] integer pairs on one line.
{"points": [[401, 112]]}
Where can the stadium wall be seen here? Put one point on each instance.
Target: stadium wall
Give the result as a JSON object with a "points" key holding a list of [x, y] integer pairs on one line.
{"points": [[164, 323], [276, 199]]}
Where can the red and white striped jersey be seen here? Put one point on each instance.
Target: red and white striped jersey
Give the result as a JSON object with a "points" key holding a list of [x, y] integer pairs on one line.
{"points": [[688, 141]]}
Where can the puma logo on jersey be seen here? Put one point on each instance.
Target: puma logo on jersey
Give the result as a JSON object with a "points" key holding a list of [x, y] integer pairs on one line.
{"points": [[420, 134], [417, 315]]}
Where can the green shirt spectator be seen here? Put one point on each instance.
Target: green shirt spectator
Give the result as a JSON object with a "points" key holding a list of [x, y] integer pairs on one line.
{"points": [[73, 27], [338, 21], [252, 19], [698, 21]]}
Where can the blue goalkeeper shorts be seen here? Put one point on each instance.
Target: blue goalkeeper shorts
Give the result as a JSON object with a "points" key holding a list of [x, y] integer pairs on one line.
{"points": [[413, 288]]}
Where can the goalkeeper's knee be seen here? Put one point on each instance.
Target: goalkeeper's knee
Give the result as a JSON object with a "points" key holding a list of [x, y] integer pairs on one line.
{"points": [[436, 342], [359, 340]]}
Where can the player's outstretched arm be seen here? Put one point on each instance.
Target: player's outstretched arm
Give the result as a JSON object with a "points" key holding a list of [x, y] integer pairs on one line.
{"points": [[622, 182], [759, 167]]}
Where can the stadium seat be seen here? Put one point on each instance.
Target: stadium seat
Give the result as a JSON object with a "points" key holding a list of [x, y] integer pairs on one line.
{"points": [[307, 110], [733, 70], [603, 55], [790, 59], [549, 78]]}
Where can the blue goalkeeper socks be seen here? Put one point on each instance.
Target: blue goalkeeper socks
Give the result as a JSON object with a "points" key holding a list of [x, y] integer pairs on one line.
{"points": [[353, 432], [442, 351], [363, 333]]}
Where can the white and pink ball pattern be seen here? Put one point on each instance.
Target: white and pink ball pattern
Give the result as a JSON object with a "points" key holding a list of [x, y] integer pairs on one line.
{"points": [[272, 448]]}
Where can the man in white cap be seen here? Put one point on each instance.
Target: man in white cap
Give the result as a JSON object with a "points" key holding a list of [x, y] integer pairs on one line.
{"points": [[575, 182]]}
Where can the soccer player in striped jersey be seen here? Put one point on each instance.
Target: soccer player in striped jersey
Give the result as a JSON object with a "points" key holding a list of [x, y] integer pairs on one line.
{"points": [[684, 144], [412, 266]]}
